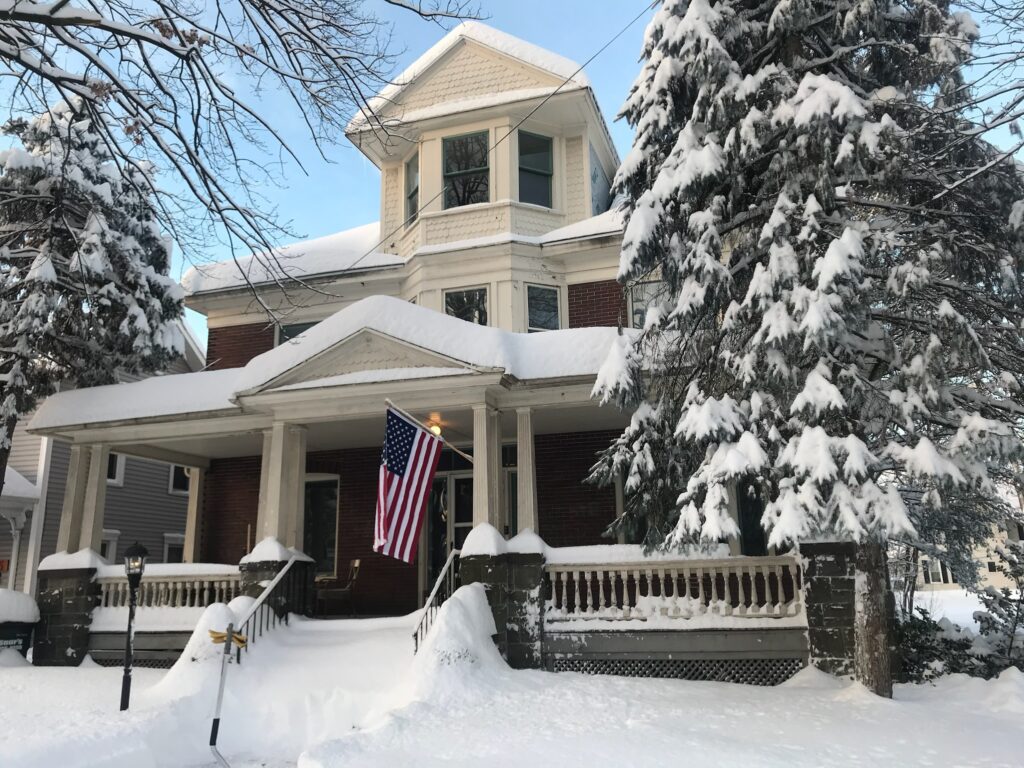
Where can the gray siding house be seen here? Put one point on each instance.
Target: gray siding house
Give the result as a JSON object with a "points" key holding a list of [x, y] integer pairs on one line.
{"points": [[146, 500]]}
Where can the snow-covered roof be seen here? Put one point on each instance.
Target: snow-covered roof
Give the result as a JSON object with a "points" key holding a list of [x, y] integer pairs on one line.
{"points": [[16, 486], [553, 354], [171, 395], [610, 222], [502, 42], [534, 356], [347, 251]]}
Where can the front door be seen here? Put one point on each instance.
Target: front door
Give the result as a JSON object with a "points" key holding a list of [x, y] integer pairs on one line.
{"points": [[449, 520]]}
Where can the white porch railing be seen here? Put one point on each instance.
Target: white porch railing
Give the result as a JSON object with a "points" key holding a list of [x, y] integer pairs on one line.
{"points": [[172, 586], [660, 591]]}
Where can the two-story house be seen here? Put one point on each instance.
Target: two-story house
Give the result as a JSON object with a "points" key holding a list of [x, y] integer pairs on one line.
{"points": [[484, 302]]}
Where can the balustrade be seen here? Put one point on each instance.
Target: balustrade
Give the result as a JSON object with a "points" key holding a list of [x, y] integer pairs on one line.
{"points": [[190, 590]]}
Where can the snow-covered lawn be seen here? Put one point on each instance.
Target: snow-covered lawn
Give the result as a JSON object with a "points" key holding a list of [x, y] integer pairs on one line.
{"points": [[957, 605], [349, 693]]}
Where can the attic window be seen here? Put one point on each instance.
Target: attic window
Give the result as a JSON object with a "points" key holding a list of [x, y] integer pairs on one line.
{"points": [[535, 168], [466, 170], [412, 188]]}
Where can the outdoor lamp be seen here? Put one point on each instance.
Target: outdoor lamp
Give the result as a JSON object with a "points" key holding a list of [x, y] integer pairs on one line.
{"points": [[134, 565]]}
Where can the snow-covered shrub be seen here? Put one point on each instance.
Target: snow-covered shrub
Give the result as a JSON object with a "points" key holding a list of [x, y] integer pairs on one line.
{"points": [[929, 649], [1002, 621]]}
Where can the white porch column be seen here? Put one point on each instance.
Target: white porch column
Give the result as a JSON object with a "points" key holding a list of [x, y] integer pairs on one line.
{"points": [[95, 499], [488, 498], [70, 530], [295, 466], [526, 472], [194, 519], [281, 484], [261, 504]]}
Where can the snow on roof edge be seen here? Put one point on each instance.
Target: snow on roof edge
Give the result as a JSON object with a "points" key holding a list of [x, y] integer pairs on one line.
{"points": [[17, 486]]}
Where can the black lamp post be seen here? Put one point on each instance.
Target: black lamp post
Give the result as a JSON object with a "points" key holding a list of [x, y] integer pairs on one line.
{"points": [[134, 565]]}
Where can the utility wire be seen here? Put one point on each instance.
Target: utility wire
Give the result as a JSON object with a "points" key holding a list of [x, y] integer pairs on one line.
{"points": [[512, 130]]}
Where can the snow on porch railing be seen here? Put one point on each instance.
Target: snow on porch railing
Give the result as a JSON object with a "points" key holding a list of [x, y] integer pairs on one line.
{"points": [[171, 585], [664, 591]]}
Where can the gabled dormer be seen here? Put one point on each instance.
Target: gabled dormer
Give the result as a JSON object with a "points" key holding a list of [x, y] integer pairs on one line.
{"points": [[457, 165]]}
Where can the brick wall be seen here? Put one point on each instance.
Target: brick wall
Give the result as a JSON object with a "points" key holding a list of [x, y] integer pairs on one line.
{"points": [[235, 345], [385, 585], [596, 304], [571, 513], [230, 499]]}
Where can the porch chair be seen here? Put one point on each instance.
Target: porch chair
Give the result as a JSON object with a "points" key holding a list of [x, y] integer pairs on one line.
{"points": [[343, 594]]}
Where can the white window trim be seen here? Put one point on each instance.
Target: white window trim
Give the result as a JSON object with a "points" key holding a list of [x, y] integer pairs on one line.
{"points": [[558, 301], [173, 539], [110, 537], [118, 479], [491, 175], [487, 298], [170, 480]]}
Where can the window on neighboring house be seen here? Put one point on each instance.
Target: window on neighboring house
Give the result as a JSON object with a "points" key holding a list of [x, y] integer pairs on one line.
{"points": [[466, 170], [469, 304], [115, 469], [991, 567], [936, 572], [541, 308], [108, 545], [174, 547], [926, 572], [641, 297], [412, 188], [178, 481], [289, 332], [535, 169]]}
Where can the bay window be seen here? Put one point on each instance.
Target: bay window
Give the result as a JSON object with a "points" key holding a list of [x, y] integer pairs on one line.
{"points": [[466, 170]]}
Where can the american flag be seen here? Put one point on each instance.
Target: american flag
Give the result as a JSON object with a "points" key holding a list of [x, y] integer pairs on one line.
{"points": [[407, 468]]}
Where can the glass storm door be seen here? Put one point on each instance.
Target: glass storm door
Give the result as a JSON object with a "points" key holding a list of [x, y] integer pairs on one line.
{"points": [[449, 520]]}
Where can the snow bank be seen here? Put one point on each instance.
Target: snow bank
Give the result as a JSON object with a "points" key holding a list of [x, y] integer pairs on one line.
{"points": [[484, 539], [17, 487], [147, 619], [165, 570], [17, 606], [62, 561], [272, 550], [10, 658]]}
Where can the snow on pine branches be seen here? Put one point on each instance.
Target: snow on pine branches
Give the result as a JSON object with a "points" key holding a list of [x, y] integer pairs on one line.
{"points": [[83, 266], [840, 325]]}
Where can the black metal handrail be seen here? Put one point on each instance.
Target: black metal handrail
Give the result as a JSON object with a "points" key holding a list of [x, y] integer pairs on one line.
{"points": [[288, 589], [447, 582]]}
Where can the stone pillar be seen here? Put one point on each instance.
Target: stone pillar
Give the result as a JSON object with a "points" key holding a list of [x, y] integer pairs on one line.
{"points": [[281, 491], [66, 600], [194, 518], [95, 499], [830, 596], [514, 582], [70, 531], [526, 472], [488, 499]]}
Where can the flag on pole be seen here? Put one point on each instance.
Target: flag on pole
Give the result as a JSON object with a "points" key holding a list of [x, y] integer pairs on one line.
{"points": [[407, 468]]}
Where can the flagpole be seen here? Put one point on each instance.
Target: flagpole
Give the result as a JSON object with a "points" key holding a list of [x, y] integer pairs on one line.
{"points": [[409, 416]]}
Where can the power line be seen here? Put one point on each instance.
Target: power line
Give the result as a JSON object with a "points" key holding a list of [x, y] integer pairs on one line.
{"points": [[511, 130]]}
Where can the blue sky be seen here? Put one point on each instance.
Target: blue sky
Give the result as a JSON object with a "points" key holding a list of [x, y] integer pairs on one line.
{"points": [[343, 192]]}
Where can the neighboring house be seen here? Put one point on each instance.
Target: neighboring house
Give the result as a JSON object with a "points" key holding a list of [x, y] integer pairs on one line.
{"points": [[484, 302], [145, 500], [933, 574]]}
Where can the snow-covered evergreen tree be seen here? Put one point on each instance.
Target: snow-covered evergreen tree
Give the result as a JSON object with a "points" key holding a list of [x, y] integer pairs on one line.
{"points": [[1002, 621], [842, 321], [83, 267]]}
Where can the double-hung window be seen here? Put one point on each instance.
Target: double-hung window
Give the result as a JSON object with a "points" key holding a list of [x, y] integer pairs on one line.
{"points": [[641, 297], [541, 308], [535, 169], [291, 330], [412, 188], [469, 304], [466, 170]]}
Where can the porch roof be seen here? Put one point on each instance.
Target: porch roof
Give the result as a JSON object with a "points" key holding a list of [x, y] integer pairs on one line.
{"points": [[423, 344]]}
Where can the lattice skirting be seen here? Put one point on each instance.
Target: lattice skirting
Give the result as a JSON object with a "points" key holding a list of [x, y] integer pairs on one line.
{"points": [[748, 671], [137, 662]]}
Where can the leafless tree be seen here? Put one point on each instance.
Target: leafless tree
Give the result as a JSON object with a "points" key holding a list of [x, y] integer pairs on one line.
{"points": [[179, 83]]}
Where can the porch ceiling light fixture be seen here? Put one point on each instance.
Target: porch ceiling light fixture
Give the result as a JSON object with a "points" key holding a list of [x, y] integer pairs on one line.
{"points": [[436, 429], [134, 566]]}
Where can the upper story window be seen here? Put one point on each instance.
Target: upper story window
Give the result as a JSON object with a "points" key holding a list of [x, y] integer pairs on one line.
{"points": [[541, 308], [178, 481], [469, 304], [412, 188], [290, 331], [642, 296], [535, 168], [466, 170]]}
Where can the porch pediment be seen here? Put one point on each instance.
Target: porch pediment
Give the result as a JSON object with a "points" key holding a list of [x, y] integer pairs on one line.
{"points": [[367, 356]]}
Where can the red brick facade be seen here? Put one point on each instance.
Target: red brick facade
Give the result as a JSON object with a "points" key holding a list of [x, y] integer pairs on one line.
{"points": [[600, 303], [235, 345], [231, 495], [570, 512]]}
